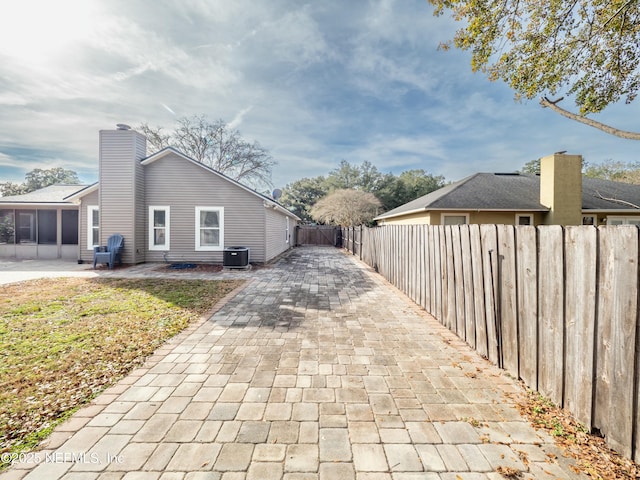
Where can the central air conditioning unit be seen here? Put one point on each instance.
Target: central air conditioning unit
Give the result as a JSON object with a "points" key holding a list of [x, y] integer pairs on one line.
{"points": [[236, 257]]}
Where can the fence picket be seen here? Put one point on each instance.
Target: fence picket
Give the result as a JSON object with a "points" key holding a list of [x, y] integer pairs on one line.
{"points": [[467, 285], [618, 307], [437, 274], [507, 296], [450, 280], [489, 242], [527, 274], [580, 288], [480, 311], [551, 315], [458, 285]]}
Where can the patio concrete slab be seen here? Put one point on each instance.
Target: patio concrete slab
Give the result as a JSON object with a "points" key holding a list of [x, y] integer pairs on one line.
{"points": [[318, 369]]}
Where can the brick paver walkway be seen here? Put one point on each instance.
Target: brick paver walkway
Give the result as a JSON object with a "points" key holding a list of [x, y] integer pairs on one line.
{"points": [[317, 370]]}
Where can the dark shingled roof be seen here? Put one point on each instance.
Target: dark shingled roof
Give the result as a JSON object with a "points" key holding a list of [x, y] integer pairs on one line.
{"points": [[594, 192], [517, 192]]}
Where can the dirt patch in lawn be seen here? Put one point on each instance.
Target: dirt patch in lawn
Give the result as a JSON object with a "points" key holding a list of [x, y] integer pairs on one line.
{"points": [[62, 341]]}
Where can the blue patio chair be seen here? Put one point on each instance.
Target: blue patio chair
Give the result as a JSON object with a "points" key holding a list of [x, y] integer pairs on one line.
{"points": [[111, 253]]}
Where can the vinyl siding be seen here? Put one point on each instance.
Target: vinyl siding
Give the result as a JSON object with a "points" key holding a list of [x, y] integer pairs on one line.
{"points": [[121, 200], [182, 185], [276, 225], [140, 240], [86, 255]]}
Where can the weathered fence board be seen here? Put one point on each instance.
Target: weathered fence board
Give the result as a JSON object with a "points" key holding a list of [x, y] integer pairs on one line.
{"points": [[458, 283], [437, 270], [580, 257], [421, 266], [527, 274], [508, 312], [450, 279], [551, 313], [468, 292], [617, 318], [489, 242], [482, 339]]}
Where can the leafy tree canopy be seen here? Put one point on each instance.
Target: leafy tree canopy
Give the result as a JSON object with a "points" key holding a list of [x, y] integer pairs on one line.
{"points": [[616, 171], [608, 170], [589, 49], [391, 190], [346, 207], [39, 178], [216, 145]]}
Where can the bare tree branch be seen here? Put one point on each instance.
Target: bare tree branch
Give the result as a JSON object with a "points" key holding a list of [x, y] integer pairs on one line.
{"points": [[615, 200], [216, 145], [552, 104]]}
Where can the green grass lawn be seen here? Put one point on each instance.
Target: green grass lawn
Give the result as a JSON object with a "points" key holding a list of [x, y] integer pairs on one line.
{"points": [[63, 341]]}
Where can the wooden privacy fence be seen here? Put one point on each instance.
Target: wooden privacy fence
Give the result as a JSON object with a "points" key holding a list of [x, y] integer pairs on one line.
{"points": [[318, 235], [352, 239], [554, 306]]}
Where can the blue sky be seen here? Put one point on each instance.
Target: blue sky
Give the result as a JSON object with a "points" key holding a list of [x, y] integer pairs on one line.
{"points": [[313, 82]]}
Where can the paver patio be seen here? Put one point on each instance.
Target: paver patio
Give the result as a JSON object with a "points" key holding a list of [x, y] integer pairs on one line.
{"points": [[318, 369]]}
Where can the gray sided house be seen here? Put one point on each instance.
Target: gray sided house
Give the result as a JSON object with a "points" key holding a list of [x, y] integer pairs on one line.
{"points": [[168, 207]]}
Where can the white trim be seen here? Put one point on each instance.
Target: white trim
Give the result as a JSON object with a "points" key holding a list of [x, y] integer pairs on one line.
{"points": [[384, 216], [427, 209], [444, 215], [522, 215], [594, 219], [167, 227], [610, 211], [629, 220], [286, 233], [90, 211], [210, 248], [81, 193]]}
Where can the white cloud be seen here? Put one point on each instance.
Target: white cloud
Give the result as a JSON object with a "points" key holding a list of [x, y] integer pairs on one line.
{"points": [[313, 82]]}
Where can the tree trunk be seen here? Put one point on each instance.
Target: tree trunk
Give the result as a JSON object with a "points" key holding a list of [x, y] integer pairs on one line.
{"points": [[545, 102]]}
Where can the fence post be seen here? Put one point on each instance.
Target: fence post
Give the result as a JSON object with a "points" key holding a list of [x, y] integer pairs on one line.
{"points": [[353, 240]]}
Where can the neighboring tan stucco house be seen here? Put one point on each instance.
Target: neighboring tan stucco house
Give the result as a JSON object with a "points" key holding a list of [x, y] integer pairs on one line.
{"points": [[560, 195], [167, 206]]}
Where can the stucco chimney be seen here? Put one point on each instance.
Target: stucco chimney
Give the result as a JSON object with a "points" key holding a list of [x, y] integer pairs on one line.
{"points": [[121, 190], [561, 188]]}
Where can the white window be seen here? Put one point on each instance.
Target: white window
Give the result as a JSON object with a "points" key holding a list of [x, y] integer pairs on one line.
{"points": [[589, 220], [159, 228], [209, 228], [454, 219], [93, 226], [524, 219], [614, 220], [286, 232]]}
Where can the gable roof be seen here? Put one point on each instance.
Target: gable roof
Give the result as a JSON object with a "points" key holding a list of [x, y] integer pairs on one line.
{"points": [[167, 150], [515, 192], [53, 195]]}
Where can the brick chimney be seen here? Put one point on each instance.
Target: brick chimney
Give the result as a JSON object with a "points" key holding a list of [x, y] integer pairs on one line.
{"points": [[121, 191], [561, 188]]}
